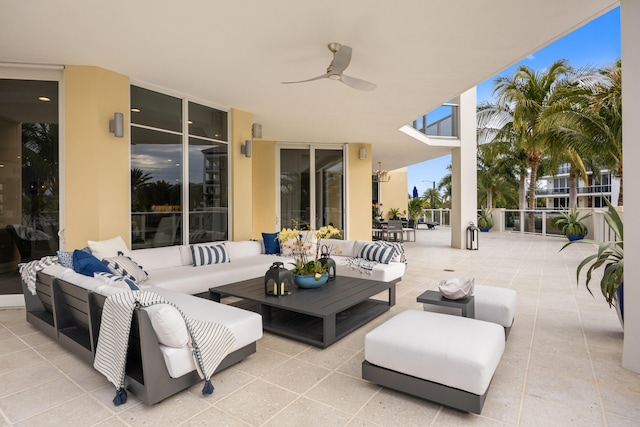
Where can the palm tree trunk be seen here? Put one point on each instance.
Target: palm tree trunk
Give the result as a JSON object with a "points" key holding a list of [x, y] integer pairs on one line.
{"points": [[490, 197], [573, 188], [620, 200], [523, 192], [533, 183]]}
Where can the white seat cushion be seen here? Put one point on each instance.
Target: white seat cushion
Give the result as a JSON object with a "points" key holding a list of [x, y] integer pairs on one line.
{"points": [[491, 304], [454, 351]]}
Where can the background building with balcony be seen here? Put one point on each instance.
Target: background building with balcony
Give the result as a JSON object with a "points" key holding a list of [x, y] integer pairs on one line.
{"points": [[555, 189]]}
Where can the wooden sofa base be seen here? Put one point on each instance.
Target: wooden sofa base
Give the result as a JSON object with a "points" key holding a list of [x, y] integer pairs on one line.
{"points": [[434, 392]]}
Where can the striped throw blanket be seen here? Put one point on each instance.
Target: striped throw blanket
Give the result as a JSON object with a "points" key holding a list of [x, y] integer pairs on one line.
{"points": [[29, 270], [210, 342]]}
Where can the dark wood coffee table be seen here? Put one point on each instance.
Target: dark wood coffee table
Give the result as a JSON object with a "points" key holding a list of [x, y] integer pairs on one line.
{"points": [[319, 316]]}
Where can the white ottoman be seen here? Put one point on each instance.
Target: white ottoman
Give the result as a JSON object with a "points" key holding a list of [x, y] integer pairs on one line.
{"points": [[446, 359], [492, 304]]}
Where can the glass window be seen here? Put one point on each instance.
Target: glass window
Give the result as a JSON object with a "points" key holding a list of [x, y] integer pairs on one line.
{"points": [[29, 175], [157, 152], [295, 200]]}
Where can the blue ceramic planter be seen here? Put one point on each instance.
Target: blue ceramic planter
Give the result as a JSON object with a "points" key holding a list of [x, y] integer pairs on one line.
{"points": [[573, 237], [310, 282]]}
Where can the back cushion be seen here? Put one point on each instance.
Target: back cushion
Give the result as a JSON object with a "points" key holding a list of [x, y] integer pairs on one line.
{"points": [[378, 253], [243, 248], [158, 258]]}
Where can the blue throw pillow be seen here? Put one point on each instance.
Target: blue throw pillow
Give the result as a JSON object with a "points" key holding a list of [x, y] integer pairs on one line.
{"points": [[271, 243], [87, 264]]}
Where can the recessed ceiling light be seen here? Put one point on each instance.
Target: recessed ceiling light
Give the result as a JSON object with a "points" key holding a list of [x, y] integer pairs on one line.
{"points": [[135, 110], [44, 99]]}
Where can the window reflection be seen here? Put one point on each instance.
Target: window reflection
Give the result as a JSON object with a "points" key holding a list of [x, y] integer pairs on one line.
{"points": [[157, 174]]}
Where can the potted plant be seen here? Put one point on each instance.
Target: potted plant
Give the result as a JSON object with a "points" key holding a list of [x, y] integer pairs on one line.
{"points": [[485, 219], [416, 205], [571, 225], [308, 271], [394, 213], [610, 256]]}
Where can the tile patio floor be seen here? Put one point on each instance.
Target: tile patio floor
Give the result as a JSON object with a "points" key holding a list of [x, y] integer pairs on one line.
{"points": [[561, 365]]}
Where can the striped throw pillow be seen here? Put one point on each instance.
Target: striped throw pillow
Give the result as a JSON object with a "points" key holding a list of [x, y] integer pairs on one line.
{"points": [[209, 254], [116, 281], [377, 253], [126, 267], [399, 255]]}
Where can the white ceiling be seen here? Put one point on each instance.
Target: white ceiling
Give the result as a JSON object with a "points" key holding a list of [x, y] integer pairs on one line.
{"points": [[420, 53]]}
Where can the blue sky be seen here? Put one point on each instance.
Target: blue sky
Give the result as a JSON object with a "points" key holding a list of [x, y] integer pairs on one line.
{"points": [[595, 44]]}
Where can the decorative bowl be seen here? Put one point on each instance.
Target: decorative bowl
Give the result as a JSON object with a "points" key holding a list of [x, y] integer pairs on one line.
{"points": [[310, 282]]}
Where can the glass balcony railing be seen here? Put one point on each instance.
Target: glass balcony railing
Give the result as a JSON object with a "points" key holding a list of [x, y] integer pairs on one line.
{"points": [[441, 122], [590, 189]]}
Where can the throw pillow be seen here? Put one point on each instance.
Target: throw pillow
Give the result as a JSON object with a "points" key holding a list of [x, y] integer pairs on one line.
{"points": [[271, 244], [126, 267], [399, 255], [116, 281], [168, 324], [87, 264], [65, 258], [108, 248], [209, 254], [377, 253]]}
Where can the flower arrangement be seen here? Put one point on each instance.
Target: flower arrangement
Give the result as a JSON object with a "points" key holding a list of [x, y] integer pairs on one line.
{"points": [[302, 249]]}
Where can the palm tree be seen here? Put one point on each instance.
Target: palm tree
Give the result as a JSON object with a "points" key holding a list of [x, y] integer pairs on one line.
{"points": [[496, 177], [432, 197], [529, 92], [590, 122], [495, 127], [139, 180]]}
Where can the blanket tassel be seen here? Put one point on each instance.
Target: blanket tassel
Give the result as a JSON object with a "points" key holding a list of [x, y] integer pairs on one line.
{"points": [[121, 397], [208, 387]]}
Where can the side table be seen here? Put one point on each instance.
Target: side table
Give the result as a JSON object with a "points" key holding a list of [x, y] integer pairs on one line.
{"points": [[436, 298]]}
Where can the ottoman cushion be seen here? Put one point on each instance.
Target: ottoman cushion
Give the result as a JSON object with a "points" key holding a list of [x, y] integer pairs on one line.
{"points": [[492, 304], [454, 351]]}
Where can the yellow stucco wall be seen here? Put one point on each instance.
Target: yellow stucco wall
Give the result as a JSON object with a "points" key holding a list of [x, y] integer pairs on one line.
{"points": [[394, 192], [264, 188], [358, 197], [241, 177], [96, 163]]}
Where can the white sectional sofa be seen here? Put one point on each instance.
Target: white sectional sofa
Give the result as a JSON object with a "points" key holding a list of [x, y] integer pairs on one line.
{"points": [[67, 307], [172, 268]]}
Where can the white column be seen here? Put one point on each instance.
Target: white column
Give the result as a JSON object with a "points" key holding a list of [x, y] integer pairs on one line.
{"points": [[630, 29], [464, 179]]}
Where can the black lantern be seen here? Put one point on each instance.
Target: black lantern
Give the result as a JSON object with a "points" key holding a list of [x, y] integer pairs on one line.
{"points": [[328, 263], [472, 236], [278, 280]]}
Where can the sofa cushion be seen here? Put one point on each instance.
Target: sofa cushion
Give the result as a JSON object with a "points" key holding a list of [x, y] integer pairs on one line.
{"points": [[209, 254], [246, 326], [377, 253], [168, 324], [398, 255], [271, 244], [108, 248], [116, 281], [126, 267], [158, 258], [243, 248], [87, 264]]}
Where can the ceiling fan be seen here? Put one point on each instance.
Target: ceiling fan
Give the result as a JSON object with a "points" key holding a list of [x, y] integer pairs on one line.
{"points": [[341, 60]]}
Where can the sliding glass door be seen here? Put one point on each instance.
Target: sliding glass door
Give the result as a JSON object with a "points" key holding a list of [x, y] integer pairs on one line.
{"points": [[311, 187]]}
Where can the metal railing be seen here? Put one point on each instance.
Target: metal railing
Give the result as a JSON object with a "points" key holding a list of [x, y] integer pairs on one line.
{"points": [[590, 189]]}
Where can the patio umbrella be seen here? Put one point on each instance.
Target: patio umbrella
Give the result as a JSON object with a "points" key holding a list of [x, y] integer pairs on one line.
{"points": [[415, 192]]}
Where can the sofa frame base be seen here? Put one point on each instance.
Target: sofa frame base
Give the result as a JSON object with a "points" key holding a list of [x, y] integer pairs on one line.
{"points": [[71, 316], [434, 392]]}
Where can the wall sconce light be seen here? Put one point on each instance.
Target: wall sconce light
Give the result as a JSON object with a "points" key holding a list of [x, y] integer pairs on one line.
{"points": [[116, 126], [256, 131], [246, 148], [362, 154]]}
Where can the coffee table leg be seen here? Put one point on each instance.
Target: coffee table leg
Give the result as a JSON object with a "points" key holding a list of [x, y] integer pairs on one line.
{"points": [[214, 296], [328, 330], [392, 295]]}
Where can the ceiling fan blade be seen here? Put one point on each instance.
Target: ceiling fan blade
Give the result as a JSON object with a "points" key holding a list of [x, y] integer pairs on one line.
{"points": [[357, 83], [324, 76], [341, 60]]}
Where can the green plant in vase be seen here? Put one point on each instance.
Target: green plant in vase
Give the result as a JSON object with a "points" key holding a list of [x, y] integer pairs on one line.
{"points": [[571, 225], [485, 219], [305, 253], [610, 257]]}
